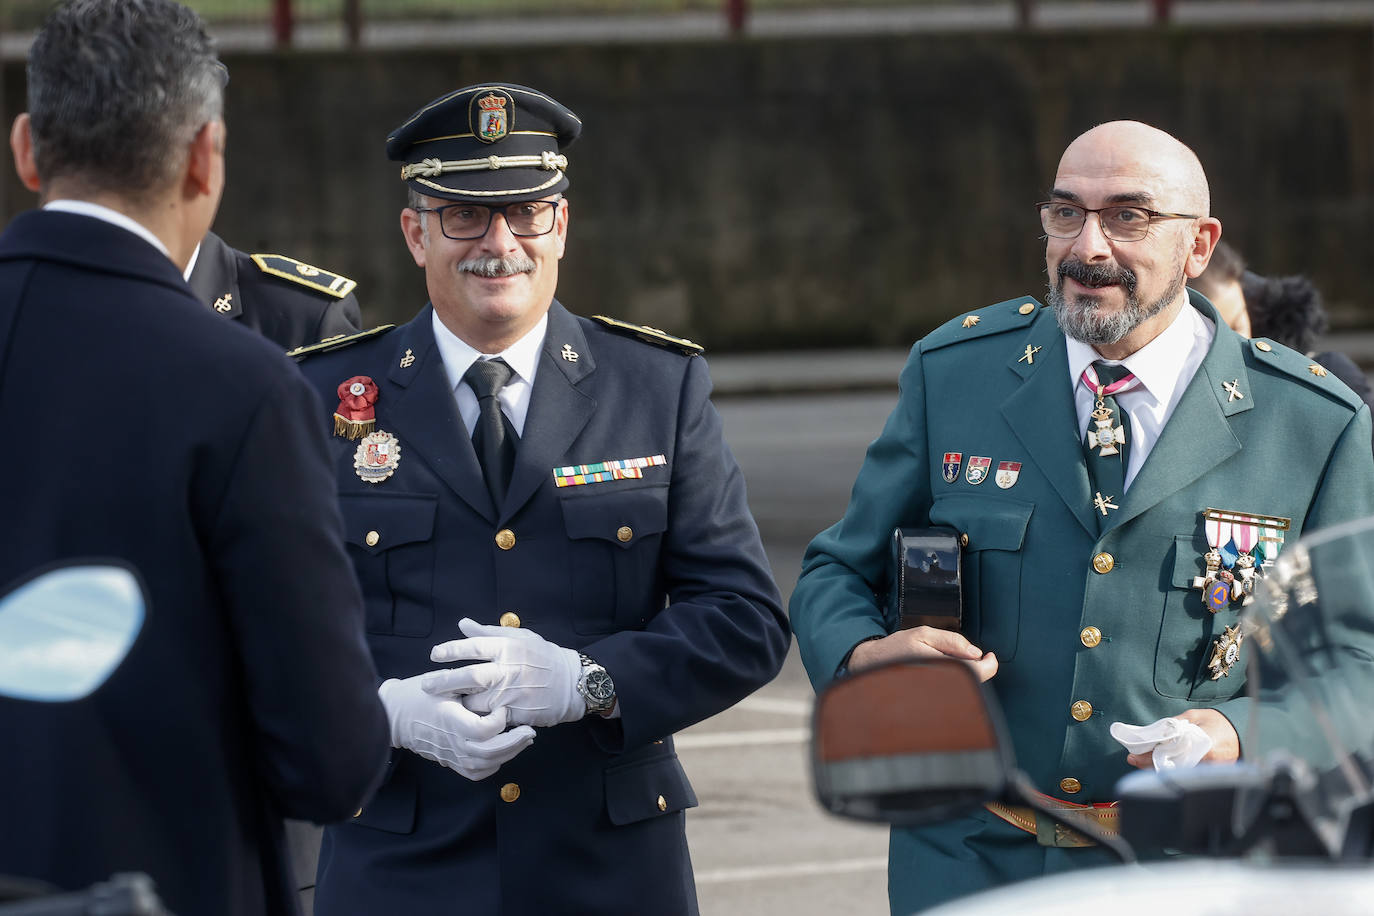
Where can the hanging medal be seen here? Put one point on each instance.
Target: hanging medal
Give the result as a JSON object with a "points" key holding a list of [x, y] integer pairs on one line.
{"points": [[1216, 592], [1245, 535], [1239, 546], [1108, 434]]}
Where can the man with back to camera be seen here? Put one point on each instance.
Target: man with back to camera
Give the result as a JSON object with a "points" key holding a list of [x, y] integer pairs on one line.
{"points": [[159, 438], [1118, 466], [548, 497]]}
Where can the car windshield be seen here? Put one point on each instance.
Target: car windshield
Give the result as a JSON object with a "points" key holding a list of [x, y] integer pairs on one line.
{"points": [[1308, 642]]}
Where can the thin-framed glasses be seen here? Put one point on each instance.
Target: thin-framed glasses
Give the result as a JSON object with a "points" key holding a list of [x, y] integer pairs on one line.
{"points": [[525, 218], [1064, 220]]}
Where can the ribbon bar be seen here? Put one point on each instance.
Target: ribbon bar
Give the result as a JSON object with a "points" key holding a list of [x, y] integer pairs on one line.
{"points": [[575, 475]]}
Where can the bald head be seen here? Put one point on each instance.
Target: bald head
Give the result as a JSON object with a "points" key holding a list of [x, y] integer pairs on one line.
{"points": [[1144, 157]]}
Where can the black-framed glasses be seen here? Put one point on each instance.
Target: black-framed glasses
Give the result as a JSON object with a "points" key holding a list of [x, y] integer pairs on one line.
{"points": [[1064, 220], [525, 218]]}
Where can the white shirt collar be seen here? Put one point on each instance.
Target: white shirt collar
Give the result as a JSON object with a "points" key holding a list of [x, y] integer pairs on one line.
{"points": [[522, 356], [191, 264], [114, 217]]}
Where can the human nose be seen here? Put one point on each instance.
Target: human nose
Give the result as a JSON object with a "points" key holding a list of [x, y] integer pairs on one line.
{"points": [[498, 236], [1092, 243]]}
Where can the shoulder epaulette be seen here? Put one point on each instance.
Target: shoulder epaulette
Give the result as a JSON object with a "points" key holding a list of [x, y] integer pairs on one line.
{"points": [[279, 265], [1010, 315], [337, 342], [651, 335], [1304, 368]]}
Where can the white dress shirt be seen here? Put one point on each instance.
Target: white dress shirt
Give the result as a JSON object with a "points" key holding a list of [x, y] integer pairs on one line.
{"points": [[86, 208], [1163, 368], [523, 358]]}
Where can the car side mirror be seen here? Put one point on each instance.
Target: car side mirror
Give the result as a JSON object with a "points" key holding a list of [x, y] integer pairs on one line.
{"points": [[65, 631], [909, 743]]}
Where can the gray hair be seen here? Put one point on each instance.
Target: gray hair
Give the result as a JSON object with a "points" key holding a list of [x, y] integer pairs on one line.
{"points": [[116, 91]]}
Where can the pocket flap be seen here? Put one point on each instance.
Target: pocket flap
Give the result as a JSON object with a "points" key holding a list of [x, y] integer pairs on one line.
{"points": [[393, 807], [621, 517], [647, 788], [378, 523], [991, 522]]}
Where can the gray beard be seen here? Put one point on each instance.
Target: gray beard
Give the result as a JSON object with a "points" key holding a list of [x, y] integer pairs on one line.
{"points": [[1084, 320]]}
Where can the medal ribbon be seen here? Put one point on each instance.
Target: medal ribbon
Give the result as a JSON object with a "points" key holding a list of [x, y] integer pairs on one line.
{"points": [[1124, 383]]}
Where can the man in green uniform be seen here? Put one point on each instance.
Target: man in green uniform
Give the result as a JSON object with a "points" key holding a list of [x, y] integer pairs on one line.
{"points": [[1120, 467]]}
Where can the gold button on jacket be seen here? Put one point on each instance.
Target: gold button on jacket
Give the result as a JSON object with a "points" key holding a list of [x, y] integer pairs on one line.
{"points": [[505, 539], [510, 792], [624, 533], [1090, 636], [1104, 563], [1070, 786], [372, 538], [1081, 710], [662, 803], [510, 619]]}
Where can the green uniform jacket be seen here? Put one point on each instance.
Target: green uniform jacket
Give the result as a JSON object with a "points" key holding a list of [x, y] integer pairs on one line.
{"points": [[1288, 443]]}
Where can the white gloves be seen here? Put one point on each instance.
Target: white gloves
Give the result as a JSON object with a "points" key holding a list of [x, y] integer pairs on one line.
{"points": [[1176, 743], [443, 730], [519, 671]]}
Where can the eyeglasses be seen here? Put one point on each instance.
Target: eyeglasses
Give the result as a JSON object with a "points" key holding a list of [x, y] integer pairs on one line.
{"points": [[1064, 220], [526, 218]]}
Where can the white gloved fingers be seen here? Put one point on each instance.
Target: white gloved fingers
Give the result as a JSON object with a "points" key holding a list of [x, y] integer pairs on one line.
{"points": [[469, 627], [473, 648], [453, 718], [458, 681], [505, 745]]}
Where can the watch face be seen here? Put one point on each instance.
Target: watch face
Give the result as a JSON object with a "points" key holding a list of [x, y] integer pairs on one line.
{"points": [[599, 686]]}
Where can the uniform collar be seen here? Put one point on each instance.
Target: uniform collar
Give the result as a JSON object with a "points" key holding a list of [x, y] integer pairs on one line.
{"points": [[1160, 364], [105, 214]]}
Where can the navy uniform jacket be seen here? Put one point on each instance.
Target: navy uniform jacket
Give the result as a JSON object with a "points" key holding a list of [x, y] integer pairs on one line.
{"points": [[661, 579], [1037, 573], [143, 429], [297, 305]]}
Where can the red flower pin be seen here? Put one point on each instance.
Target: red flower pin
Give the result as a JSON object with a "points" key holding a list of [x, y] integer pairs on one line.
{"points": [[355, 417]]}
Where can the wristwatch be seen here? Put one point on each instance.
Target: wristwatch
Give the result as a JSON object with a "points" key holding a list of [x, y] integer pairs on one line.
{"points": [[596, 687]]}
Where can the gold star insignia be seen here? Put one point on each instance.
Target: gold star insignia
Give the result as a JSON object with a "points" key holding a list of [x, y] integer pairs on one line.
{"points": [[970, 321], [1316, 370], [1232, 390]]}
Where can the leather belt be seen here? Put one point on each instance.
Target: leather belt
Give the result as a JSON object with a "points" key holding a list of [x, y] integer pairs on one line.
{"points": [[1048, 832]]}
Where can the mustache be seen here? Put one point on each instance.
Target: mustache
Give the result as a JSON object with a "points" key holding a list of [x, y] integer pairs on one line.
{"points": [[493, 267], [1097, 275]]}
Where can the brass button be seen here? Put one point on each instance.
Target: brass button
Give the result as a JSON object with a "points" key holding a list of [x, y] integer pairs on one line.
{"points": [[662, 803], [505, 539], [1081, 710], [358, 813], [963, 540], [1261, 345], [624, 533], [510, 792], [1026, 308], [510, 619], [372, 538], [1104, 563], [1090, 636], [1070, 786]]}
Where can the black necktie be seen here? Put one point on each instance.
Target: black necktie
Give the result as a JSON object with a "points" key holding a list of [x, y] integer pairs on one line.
{"points": [[494, 439], [1108, 440]]}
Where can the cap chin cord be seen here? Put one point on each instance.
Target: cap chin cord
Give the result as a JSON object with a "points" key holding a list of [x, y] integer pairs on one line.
{"points": [[433, 168]]}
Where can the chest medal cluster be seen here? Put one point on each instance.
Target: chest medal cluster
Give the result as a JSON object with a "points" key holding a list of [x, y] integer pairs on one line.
{"points": [[1239, 546], [379, 453]]}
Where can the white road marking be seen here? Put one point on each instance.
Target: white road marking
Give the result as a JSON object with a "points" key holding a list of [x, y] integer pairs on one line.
{"points": [[755, 736], [793, 870]]}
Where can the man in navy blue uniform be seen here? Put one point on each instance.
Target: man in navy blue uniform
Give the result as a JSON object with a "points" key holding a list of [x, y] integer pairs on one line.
{"points": [[154, 435], [547, 499]]}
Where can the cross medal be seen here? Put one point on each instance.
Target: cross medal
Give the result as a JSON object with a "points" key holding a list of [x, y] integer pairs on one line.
{"points": [[1106, 437]]}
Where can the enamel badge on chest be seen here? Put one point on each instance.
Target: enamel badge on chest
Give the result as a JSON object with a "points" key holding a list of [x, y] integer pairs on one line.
{"points": [[377, 456]]}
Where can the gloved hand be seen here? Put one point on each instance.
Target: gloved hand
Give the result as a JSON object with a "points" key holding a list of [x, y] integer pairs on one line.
{"points": [[443, 730], [518, 671]]}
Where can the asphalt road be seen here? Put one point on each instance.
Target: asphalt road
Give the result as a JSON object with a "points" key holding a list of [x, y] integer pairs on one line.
{"points": [[760, 842]]}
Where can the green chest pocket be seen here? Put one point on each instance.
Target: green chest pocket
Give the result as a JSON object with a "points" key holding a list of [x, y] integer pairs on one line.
{"points": [[995, 528]]}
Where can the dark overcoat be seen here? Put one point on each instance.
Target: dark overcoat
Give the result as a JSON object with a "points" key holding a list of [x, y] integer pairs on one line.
{"points": [[146, 430]]}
